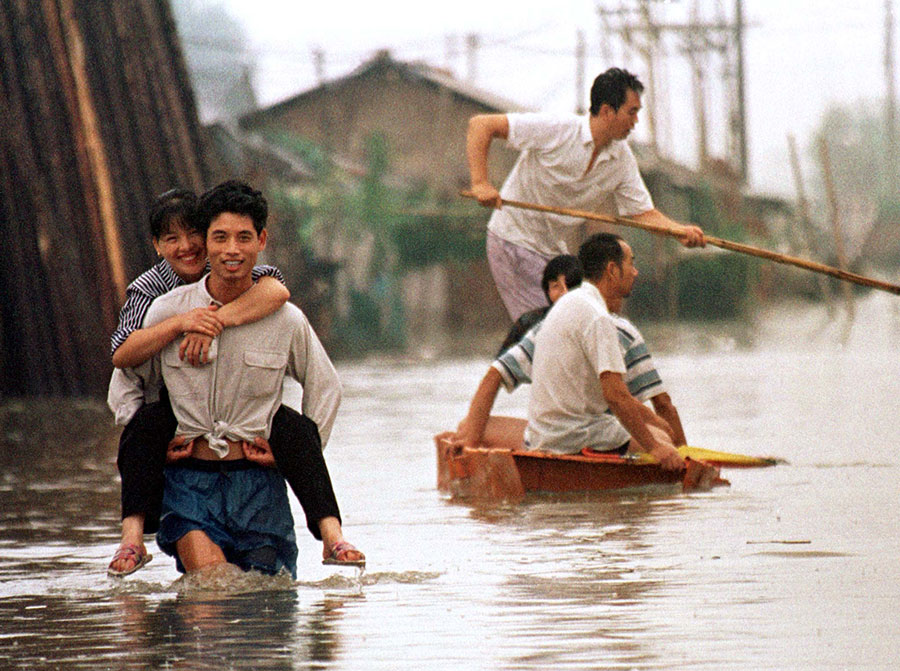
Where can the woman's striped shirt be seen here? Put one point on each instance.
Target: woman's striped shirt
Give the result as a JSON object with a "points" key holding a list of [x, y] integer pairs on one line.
{"points": [[152, 284]]}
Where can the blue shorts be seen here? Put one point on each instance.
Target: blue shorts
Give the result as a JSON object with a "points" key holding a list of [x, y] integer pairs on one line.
{"points": [[242, 507]]}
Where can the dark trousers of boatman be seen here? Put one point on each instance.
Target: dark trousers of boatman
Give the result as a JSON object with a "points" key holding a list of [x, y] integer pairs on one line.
{"points": [[295, 444]]}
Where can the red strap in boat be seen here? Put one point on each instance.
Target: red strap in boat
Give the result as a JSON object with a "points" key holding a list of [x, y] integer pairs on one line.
{"points": [[608, 457]]}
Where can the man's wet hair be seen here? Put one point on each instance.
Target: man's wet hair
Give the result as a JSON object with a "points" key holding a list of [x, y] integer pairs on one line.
{"points": [[232, 196], [175, 207], [564, 264], [597, 251], [611, 88]]}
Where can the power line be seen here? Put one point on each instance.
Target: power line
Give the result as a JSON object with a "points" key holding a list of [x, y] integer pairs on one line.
{"points": [[435, 47], [639, 28]]}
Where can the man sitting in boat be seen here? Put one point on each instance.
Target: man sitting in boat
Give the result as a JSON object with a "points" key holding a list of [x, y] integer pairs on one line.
{"points": [[513, 366], [579, 397]]}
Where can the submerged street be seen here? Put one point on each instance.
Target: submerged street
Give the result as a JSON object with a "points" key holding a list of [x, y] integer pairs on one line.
{"points": [[791, 567]]}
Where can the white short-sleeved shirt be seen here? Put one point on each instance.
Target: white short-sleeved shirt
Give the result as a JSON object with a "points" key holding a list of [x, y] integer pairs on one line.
{"points": [[641, 377], [555, 152], [567, 410]]}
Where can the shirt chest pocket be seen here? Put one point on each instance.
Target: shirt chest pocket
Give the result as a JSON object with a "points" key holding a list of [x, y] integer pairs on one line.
{"points": [[262, 373], [181, 378]]}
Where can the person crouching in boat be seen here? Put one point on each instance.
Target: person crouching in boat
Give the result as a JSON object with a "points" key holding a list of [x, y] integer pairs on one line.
{"points": [[561, 273], [579, 397], [513, 367]]}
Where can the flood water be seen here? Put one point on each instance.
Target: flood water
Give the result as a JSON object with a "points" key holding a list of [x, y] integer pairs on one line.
{"points": [[791, 567]]}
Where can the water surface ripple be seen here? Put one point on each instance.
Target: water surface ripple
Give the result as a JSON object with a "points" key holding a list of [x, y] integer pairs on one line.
{"points": [[792, 567]]}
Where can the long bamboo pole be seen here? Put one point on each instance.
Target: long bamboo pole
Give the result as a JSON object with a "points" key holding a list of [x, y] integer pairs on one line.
{"points": [[741, 248]]}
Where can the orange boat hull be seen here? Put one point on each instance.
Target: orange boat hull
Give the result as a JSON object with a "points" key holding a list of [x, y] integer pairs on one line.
{"points": [[480, 474], [572, 473]]}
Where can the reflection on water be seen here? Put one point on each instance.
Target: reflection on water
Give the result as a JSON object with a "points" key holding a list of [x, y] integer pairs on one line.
{"points": [[133, 631], [792, 567]]}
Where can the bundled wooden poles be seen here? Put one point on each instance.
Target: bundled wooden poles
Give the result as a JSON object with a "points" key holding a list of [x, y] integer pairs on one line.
{"points": [[98, 118]]}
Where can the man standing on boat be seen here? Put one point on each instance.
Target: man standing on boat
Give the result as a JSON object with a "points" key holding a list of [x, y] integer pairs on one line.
{"points": [[579, 397], [565, 161]]}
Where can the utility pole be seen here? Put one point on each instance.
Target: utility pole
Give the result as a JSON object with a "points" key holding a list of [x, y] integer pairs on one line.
{"points": [[890, 113], [701, 36], [698, 76], [472, 43], [652, 95], [695, 49], [318, 55], [450, 51], [742, 111], [637, 29], [806, 239], [580, 54], [834, 217]]}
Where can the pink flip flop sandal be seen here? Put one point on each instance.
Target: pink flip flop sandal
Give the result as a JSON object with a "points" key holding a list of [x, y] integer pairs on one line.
{"points": [[340, 548], [129, 551]]}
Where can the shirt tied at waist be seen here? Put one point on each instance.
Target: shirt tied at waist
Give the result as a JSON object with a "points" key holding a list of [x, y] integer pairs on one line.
{"points": [[216, 439]]}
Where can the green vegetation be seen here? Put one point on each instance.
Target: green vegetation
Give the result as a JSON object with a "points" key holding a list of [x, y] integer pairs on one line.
{"points": [[695, 285], [381, 229], [714, 287]]}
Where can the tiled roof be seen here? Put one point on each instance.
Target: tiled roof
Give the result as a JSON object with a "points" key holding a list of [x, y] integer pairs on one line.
{"points": [[415, 70]]}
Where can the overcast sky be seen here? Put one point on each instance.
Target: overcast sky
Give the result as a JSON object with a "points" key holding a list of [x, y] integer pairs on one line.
{"points": [[800, 56]]}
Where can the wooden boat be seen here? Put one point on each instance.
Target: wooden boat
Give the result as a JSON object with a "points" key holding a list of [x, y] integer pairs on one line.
{"points": [[484, 475]]}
